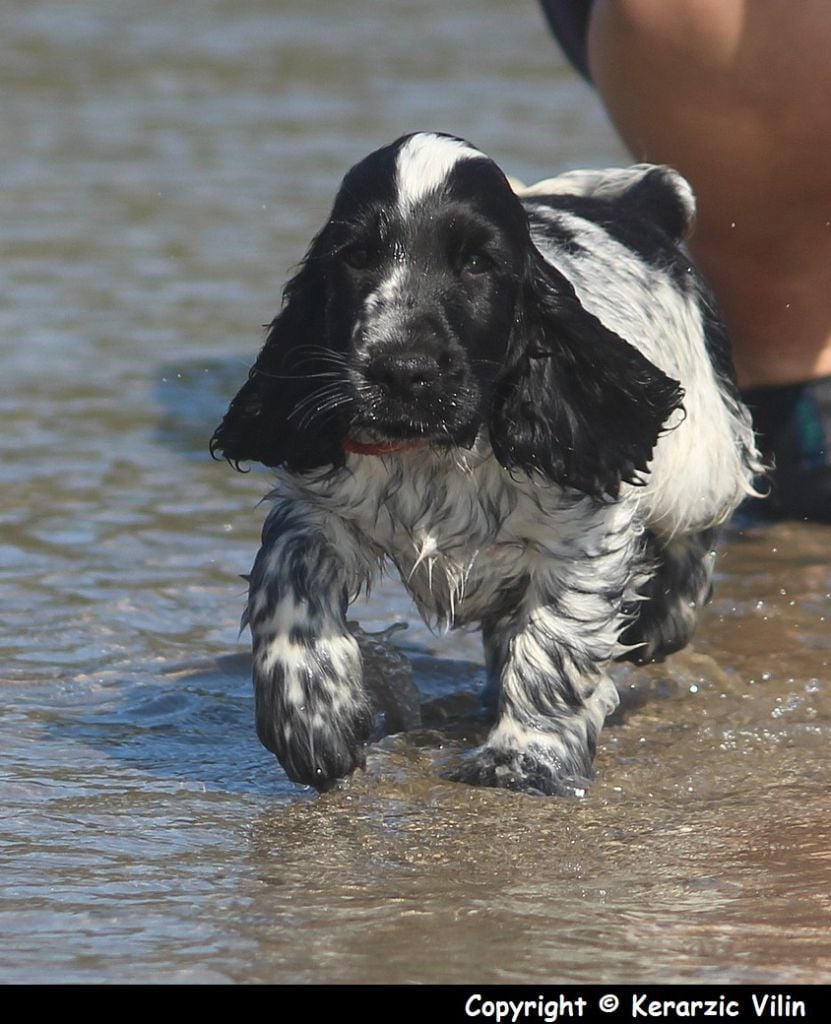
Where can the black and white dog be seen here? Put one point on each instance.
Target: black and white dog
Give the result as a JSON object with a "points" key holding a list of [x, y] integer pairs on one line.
{"points": [[526, 403]]}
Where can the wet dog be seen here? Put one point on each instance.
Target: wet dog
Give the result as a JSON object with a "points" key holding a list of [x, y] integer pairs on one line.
{"points": [[526, 403]]}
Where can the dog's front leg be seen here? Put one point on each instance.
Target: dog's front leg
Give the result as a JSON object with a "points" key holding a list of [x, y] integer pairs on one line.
{"points": [[553, 699], [312, 710], [547, 654]]}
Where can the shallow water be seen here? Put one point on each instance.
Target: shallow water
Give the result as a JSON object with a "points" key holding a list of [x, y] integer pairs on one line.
{"points": [[160, 175]]}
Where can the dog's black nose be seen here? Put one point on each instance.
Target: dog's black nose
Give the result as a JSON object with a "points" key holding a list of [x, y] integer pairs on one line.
{"points": [[404, 374]]}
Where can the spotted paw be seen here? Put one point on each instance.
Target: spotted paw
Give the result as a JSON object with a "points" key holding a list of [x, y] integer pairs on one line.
{"points": [[324, 764], [523, 771], [315, 748]]}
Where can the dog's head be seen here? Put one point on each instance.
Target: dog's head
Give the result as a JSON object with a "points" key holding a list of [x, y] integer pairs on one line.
{"points": [[424, 315]]}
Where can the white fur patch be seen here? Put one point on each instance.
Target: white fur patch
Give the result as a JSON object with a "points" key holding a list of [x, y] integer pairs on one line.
{"points": [[424, 163]]}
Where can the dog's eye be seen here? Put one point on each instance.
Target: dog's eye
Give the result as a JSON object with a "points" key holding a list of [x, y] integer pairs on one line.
{"points": [[357, 256], [476, 263]]}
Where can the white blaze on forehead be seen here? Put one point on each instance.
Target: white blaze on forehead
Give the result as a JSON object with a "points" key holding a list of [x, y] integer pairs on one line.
{"points": [[424, 162], [387, 293]]}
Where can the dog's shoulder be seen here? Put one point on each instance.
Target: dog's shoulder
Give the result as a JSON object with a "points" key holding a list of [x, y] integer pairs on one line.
{"points": [[617, 198]]}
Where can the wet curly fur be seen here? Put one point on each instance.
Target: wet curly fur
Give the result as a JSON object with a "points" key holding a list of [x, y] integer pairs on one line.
{"points": [[524, 400]]}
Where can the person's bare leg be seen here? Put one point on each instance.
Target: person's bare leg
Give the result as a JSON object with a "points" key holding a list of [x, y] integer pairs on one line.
{"points": [[735, 94]]}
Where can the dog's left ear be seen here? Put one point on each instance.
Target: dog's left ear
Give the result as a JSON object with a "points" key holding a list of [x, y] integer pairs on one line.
{"points": [[577, 404]]}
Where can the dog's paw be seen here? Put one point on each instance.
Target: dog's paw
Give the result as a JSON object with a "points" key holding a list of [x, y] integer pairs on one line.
{"points": [[312, 710], [318, 752], [536, 773]]}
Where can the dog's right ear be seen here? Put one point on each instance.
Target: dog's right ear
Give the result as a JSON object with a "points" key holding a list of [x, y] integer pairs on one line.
{"points": [[276, 418]]}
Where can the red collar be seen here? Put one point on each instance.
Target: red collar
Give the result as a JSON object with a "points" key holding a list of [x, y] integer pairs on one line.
{"points": [[381, 447]]}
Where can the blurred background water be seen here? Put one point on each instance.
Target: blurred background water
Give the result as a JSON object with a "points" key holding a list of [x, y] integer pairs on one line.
{"points": [[164, 164]]}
